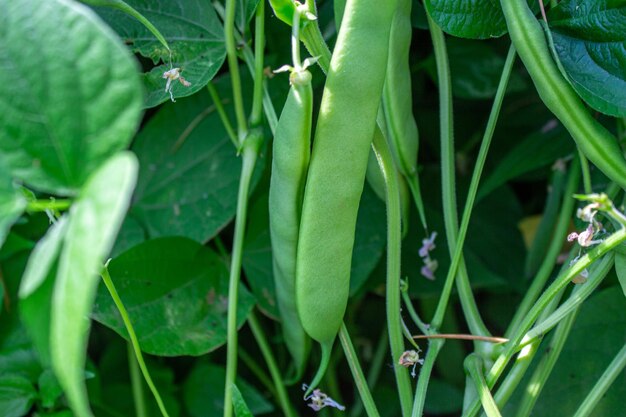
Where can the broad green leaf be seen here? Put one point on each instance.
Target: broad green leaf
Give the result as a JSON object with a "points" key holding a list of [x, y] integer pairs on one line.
{"points": [[203, 392], [239, 404], [590, 42], [193, 32], [189, 171], [12, 203], [475, 19], [597, 335], [95, 219], [17, 395], [71, 96], [538, 150], [176, 294]]}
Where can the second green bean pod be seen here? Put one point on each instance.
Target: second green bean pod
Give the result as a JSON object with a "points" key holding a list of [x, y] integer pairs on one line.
{"points": [[336, 175]]}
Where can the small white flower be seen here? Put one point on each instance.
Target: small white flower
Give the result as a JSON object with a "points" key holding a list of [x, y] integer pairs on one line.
{"points": [[173, 75]]}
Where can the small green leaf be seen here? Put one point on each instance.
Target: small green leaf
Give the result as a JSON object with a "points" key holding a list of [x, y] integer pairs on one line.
{"points": [[239, 404], [95, 219], [70, 96], [42, 258], [590, 42], [17, 395], [49, 389], [12, 203], [176, 292], [203, 392], [193, 32]]}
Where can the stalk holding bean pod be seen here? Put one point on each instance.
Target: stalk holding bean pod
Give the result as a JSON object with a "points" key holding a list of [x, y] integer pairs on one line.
{"points": [[398, 104], [337, 170], [290, 161], [597, 143]]}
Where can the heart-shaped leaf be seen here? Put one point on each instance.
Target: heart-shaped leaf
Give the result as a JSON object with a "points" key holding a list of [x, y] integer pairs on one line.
{"points": [[176, 294]]}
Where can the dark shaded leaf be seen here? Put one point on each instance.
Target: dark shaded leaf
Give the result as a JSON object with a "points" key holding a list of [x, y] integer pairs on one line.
{"points": [[176, 294]]}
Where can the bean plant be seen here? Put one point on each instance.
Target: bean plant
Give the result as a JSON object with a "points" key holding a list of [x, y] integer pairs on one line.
{"points": [[296, 207]]}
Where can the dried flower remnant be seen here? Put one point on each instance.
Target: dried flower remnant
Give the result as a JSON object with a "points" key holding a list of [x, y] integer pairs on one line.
{"points": [[410, 358], [430, 265], [173, 75], [320, 400], [581, 278]]}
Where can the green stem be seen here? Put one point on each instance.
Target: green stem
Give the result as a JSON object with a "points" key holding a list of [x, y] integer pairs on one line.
{"points": [[394, 236], [256, 115], [251, 63], [36, 206], [314, 41], [135, 382], [219, 106], [375, 368], [233, 66], [543, 274], [549, 218], [544, 368], [250, 154], [254, 367], [527, 354], [584, 167], [413, 314], [474, 366], [266, 351], [434, 347], [602, 385], [468, 302], [552, 291], [357, 373], [580, 294], [106, 278]]}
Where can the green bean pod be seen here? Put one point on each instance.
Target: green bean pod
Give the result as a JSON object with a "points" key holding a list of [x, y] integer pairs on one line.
{"points": [[398, 103], [595, 141], [336, 175], [291, 153]]}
